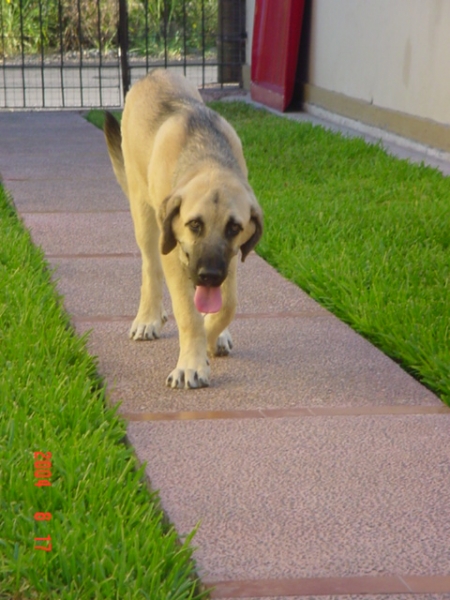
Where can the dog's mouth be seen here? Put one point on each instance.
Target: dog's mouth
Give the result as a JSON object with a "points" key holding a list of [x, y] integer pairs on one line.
{"points": [[208, 299], [209, 274]]}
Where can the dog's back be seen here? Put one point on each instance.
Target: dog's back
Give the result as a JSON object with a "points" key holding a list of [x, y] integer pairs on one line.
{"points": [[156, 97], [160, 97]]}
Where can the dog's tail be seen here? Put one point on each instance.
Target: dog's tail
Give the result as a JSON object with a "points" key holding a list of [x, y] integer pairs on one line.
{"points": [[113, 137]]}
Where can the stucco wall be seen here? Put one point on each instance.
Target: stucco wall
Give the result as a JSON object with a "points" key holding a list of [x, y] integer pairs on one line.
{"points": [[394, 54]]}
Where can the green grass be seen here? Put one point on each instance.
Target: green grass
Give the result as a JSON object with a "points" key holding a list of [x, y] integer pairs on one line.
{"points": [[97, 117], [365, 234], [109, 537]]}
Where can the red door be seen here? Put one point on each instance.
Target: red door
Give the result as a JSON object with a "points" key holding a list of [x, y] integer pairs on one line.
{"points": [[276, 39]]}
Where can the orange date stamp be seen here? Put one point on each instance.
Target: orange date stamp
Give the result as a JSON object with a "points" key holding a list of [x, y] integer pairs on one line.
{"points": [[43, 474]]}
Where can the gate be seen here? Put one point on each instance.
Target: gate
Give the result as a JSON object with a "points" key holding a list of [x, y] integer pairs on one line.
{"points": [[86, 53]]}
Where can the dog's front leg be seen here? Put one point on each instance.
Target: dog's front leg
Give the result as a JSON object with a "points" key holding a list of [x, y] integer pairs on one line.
{"points": [[218, 337], [192, 370]]}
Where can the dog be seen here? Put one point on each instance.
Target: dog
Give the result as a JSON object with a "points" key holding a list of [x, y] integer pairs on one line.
{"points": [[182, 167]]}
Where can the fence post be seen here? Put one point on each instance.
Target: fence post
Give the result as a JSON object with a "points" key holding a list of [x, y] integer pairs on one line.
{"points": [[231, 40], [123, 46]]}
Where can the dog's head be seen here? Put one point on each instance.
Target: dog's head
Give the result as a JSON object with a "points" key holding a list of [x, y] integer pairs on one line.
{"points": [[210, 219]]}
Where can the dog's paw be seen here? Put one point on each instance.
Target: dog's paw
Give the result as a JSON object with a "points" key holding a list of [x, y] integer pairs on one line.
{"points": [[188, 378], [147, 331], [224, 344]]}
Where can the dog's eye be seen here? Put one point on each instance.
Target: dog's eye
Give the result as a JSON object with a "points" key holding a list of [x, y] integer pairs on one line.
{"points": [[233, 229], [195, 226]]}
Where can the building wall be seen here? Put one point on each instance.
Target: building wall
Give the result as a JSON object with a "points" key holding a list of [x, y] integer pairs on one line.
{"points": [[394, 54], [385, 62]]}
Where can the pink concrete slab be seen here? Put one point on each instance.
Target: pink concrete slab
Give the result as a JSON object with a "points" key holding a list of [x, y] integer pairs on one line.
{"points": [[391, 596], [353, 586], [83, 233], [262, 290], [15, 123], [66, 195], [99, 286], [287, 498], [103, 286], [29, 128], [353, 597], [60, 164], [289, 362], [63, 146]]}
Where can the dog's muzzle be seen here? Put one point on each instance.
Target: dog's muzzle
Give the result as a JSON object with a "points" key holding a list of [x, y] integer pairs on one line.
{"points": [[208, 277]]}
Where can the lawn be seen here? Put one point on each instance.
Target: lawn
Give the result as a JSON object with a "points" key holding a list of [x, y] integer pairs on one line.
{"points": [[365, 234], [67, 477]]}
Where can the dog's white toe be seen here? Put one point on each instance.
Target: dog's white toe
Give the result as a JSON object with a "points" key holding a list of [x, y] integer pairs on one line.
{"points": [[224, 344], [188, 378], [147, 331]]}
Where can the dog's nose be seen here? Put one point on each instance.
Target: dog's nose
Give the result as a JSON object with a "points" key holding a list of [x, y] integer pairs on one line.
{"points": [[210, 277]]}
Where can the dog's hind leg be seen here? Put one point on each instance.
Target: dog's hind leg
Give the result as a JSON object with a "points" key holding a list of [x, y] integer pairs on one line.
{"points": [[151, 315]]}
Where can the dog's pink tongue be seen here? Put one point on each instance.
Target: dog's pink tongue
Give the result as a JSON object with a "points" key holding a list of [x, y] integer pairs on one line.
{"points": [[207, 299]]}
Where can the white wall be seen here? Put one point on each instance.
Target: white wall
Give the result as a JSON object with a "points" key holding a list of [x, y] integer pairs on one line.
{"points": [[392, 53]]}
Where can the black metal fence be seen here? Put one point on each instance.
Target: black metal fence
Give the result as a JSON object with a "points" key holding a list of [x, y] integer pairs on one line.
{"points": [[86, 53]]}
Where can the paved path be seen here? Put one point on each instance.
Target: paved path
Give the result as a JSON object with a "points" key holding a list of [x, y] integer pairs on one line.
{"points": [[316, 466]]}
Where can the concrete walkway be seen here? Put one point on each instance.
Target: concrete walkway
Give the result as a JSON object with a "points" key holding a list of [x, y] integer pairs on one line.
{"points": [[316, 466]]}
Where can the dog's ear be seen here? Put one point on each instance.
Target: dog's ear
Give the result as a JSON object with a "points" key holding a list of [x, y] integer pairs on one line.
{"points": [[257, 218], [169, 208]]}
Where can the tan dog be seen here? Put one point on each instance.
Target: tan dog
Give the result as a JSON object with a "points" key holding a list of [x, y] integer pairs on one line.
{"points": [[181, 166]]}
